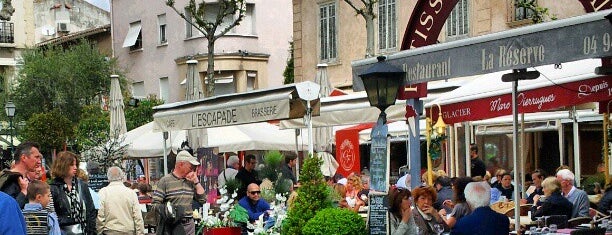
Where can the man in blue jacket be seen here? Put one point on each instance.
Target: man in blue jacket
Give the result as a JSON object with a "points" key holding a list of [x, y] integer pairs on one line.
{"points": [[253, 203], [483, 220], [11, 216]]}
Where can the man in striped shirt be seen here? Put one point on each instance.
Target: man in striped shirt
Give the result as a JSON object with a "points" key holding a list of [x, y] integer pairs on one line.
{"points": [[179, 188]]}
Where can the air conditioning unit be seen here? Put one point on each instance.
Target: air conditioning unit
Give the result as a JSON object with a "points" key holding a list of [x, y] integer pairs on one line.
{"points": [[62, 27]]}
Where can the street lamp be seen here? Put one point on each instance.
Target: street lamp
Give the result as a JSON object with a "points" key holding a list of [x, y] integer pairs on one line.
{"points": [[440, 128], [9, 107], [381, 82]]}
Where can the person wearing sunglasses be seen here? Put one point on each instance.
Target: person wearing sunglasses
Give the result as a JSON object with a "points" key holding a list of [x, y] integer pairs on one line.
{"points": [[254, 204]]}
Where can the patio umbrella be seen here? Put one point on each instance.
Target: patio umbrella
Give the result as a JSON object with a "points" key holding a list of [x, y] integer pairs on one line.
{"points": [[323, 135], [198, 137], [117, 115]]}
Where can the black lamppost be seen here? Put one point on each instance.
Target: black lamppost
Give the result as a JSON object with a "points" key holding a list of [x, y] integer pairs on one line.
{"points": [[9, 107], [381, 82]]}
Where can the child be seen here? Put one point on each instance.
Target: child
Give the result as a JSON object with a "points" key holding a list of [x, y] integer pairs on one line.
{"points": [[39, 195]]}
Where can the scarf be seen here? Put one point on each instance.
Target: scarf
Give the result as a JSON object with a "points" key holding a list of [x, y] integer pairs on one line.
{"points": [[76, 206]]}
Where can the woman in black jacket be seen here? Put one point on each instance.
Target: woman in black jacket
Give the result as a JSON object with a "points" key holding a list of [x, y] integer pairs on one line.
{"points": [[71, 198], [555, 203]]}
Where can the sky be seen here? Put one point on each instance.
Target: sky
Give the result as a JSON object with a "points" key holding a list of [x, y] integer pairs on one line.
{"points": [[103, 4]]}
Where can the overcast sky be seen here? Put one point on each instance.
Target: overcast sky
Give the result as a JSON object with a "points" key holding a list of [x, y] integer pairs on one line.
{"points": [[104, 4]]}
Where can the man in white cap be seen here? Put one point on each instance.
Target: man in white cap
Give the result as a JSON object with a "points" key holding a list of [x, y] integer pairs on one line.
{"points": [[179, 188]]}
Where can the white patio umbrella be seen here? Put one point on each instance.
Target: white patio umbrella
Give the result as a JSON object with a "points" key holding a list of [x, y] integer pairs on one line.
{"points": [[324, 135], [198, 137], [117, 115]]}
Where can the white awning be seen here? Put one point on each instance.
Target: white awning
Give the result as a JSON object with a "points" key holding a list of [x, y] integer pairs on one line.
{"points": [[346, 110], [234, 109], [132, 35]]}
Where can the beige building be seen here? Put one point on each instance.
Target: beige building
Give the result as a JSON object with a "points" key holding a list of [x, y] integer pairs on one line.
{"points": [[153, 44], [329, 31], [15, 35], [54, 19]]}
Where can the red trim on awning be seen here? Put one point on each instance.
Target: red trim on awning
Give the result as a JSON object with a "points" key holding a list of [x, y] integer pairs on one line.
{"points": [[529, 101]]}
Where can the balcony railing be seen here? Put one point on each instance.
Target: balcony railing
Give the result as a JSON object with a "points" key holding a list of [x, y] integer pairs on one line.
{"points": [[7, 32]]}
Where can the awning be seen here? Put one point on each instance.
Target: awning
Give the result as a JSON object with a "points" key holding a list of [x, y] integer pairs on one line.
{"points": [[488, 97], [234, 109], [347, 110], [132, 35], [534, 122]]}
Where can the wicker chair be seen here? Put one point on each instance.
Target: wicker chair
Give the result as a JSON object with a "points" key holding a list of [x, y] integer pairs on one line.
{"points": [[574, 222]]}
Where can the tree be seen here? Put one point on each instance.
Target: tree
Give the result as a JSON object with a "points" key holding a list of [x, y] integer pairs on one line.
{"points": [[142, 113], [50, 130], [223, 11], [62, 80], [366, 10], [289, 69], [539, 13]]}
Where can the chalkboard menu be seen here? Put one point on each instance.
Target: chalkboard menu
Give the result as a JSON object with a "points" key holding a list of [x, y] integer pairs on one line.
{"points": [[98, 181], [379, 179], [378, 220]]}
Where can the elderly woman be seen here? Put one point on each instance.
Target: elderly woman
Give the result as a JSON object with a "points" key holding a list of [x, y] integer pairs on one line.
{"points": [[459, 205], [555, 203], [425, 216], [401, 220], [71, 198]]}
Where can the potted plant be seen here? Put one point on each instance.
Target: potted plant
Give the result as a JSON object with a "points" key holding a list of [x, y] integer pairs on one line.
{"points": [[228, 218], [335, 221], [273, 224]]}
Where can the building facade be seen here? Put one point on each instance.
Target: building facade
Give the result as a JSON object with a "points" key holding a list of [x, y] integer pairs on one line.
{"points": [[54, 19], [329, 31], [153, 44], [15, 35]]}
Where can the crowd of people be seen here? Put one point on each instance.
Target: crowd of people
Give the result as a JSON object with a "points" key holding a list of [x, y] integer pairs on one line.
{"points": [[459, 205]]}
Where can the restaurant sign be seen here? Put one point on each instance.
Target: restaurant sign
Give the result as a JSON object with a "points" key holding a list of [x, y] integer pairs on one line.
{"points": [[582, 37], [530, 101]]}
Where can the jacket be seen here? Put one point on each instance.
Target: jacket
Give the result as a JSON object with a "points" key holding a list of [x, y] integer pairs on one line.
{"points": [[554, 205], [9, 184], [62, 209], [119, 210], [483, 221]]}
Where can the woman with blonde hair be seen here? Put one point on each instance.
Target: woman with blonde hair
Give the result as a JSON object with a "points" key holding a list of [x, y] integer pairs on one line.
{"points": [[71, 198], [555, 203], [353, 186]]}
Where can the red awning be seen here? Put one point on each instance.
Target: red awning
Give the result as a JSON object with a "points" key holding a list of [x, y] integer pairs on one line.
{"points": [[488, 97]]}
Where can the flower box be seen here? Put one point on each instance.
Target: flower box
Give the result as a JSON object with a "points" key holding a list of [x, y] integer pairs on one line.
{"points": [[222, 231]]}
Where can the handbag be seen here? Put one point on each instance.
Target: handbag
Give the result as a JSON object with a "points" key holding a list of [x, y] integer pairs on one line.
{"points": [[74, 229]]}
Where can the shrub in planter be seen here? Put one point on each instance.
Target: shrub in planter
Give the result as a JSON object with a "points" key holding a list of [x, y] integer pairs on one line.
{"points": [[312, 196], [335, 221]]}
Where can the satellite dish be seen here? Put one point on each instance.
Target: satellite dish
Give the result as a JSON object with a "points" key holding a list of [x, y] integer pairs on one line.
{"points": [[48, 30]]}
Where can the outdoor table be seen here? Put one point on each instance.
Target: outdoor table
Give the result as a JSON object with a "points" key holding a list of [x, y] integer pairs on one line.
{"points": [[525, 220]]}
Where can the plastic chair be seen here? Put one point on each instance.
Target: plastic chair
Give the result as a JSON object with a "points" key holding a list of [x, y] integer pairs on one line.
{"points": [[589, 231]]}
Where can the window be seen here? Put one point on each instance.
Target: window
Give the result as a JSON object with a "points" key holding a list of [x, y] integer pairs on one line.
{"points": [[212, 10], [138, 90], [247, 25], [224, 83], [327, 32], [133, 39], [251, 80], [188, 27], [164, 92], [387, 25], [161, 22], [457, 24], [521, 13]]}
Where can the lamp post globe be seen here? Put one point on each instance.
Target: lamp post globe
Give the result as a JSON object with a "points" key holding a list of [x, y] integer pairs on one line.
{"points": [[381, 82], [9, 107]]}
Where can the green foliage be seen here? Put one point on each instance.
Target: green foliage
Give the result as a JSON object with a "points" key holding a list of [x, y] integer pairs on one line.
{"points": [[239, 214], [61, 80], [539, 13], [231, 185], [272, 162], [50, 130], [289, 73], [313, 196], [142, 114], [93, 127], [335, 221]]}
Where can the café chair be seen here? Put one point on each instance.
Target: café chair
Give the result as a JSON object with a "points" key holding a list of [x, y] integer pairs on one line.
{"points": [[559, 220], [574, 222], [589, 231]]}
